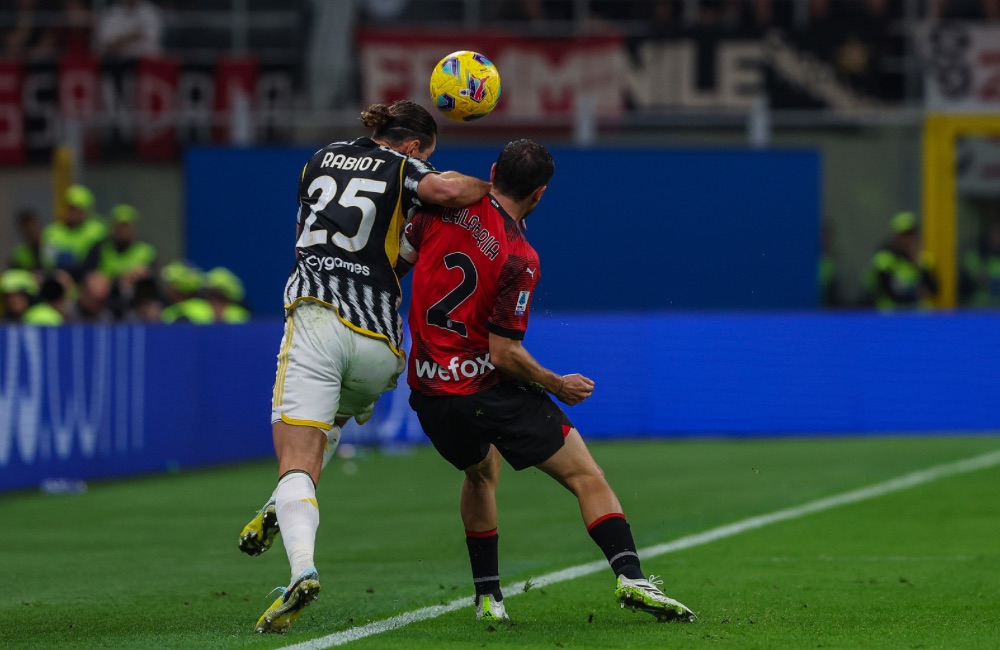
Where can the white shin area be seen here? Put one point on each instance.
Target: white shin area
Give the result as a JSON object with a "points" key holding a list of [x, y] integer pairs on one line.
{"points": [[298, 519]]}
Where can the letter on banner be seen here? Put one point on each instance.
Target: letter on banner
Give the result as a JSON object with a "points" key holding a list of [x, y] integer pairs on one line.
{"points": [[235, 86], [79, 95], [157, 105], [11, 112]]}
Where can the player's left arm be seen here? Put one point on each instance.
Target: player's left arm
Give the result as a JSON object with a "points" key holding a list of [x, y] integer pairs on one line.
{"points": [[509, 321], [452, 189], [510, 356]]}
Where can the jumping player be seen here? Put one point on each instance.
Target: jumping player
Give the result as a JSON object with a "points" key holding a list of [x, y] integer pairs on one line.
{"points": [[480, 395], [342, 345]]}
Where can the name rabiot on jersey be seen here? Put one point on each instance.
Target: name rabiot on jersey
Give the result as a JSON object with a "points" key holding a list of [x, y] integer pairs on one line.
{"points": [[353, 200]]}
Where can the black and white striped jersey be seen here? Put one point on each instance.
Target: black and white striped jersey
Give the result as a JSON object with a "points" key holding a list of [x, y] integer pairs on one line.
{"points": [[354, 198]]}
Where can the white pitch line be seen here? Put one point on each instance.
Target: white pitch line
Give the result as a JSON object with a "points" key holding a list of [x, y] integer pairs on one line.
{"points": [[729, 530]]}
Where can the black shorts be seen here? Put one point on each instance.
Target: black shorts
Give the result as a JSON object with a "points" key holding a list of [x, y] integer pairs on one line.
{"points": [[522, 422]]}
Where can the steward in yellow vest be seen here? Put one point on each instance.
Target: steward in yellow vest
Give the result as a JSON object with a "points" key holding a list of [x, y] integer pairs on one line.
{"points": [[183, 282], [900, 276], [225, 292], [65, 244], [51, 307], [979, 279], [27, 253], [121, 255], [18, 289]]}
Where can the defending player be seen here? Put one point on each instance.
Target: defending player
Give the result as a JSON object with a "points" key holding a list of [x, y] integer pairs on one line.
{"points": [[480, 395], [342, 345]]}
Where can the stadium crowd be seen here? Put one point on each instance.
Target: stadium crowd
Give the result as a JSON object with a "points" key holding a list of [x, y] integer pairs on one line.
{"points": [[39, 29], [83, 269], [730, 14], [36, 29]]}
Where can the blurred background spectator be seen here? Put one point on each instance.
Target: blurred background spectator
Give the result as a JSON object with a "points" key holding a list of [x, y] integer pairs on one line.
{"points": [[129, 29], [147, 302], [184, 284], [224, 291], [965, 9], [27, 252], [758, 16], [93, 304], [122, 258], [29, 38], [18, 289], [75, 32], [829, 281], [51, 308], [980, 277], [536, 12], [901, 275], [66, 243]]}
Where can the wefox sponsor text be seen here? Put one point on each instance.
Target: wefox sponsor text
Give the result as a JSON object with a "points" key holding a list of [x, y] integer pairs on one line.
{"points": [[456, 368]]}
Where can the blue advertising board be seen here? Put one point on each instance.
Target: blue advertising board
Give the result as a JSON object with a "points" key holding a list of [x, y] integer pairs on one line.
{"points": [[632, 229], [86, 402]]}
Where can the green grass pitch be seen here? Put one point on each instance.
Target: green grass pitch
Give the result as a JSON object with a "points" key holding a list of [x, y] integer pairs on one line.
{"points": [[152, 562]]}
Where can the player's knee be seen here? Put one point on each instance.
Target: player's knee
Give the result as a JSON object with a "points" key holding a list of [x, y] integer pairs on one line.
{"points": [[482, 474], [479, 480], [589, 481]]}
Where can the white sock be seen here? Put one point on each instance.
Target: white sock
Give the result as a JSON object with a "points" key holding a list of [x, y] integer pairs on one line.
{"points": [[332, 440], [298, 519]]}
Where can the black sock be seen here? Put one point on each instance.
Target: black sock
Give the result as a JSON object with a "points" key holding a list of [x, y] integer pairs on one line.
{"points": [[485, 560], [612, 533]]}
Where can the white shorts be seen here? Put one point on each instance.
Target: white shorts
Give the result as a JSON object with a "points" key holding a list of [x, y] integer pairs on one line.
{"points": [[326, 369]]}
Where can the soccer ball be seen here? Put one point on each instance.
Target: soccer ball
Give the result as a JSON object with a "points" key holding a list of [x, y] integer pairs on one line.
{"points": [[465, 86]]}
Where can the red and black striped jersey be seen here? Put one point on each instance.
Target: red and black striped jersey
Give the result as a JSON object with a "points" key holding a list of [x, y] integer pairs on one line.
{"points": [[353, 201], [474, 273]]}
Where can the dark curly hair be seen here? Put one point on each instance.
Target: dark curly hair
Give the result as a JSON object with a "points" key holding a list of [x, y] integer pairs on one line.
{"points": [[403, 120]]}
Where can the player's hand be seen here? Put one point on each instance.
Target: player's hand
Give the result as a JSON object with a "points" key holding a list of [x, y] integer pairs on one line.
{"points": [[574, 389]]}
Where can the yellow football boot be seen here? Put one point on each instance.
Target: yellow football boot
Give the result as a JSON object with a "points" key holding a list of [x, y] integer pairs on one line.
{"points": [[258, 535], [289, 605]]}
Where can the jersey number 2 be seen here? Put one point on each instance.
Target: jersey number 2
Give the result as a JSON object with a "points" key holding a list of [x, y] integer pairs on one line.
{"points": [[438, 314], [349, 198]]}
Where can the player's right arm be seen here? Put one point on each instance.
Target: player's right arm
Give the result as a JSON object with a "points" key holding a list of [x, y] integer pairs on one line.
{"points": [[452, 189], [409, 243], [510, 356]]}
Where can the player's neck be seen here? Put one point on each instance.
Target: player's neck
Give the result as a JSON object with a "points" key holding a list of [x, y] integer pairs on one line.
{"points": [[516, 209]]}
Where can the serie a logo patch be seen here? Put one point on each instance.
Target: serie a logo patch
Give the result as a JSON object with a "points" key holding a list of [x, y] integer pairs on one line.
{"points": [[522, 303]]}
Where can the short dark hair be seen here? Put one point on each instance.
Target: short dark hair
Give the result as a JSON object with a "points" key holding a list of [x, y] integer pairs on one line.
{"points": [[403, 120], [25, 215], [52, 289], [523, 167]]}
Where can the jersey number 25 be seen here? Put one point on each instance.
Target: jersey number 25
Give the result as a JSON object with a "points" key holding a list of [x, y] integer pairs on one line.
{"points": [[349, 198]]}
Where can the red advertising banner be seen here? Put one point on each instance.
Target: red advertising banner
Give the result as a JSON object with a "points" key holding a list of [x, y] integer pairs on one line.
{"points": [[541, 78], [148, 109], [547, 80], [156, 95], [11, 113]]}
